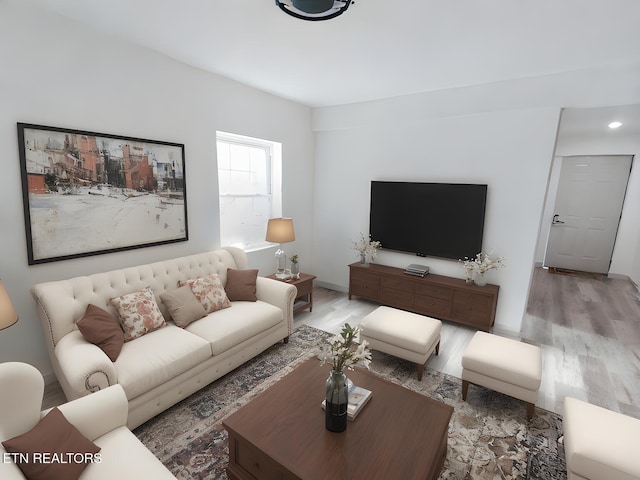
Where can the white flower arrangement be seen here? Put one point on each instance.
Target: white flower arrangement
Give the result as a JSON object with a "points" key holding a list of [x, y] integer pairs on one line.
{"points": [[482, 263], [366, 246], [339, 350]]}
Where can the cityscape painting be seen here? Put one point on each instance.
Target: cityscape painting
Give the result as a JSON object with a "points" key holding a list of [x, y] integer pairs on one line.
{"points": [[88, 193]]}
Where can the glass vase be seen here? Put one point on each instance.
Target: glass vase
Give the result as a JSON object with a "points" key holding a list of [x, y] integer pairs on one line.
{"points": [[295, 270], [336, 401], [480, 280], [281, 264]]}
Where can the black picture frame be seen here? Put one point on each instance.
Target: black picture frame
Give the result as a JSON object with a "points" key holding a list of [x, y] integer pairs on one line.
{"points": [[86, 193]]}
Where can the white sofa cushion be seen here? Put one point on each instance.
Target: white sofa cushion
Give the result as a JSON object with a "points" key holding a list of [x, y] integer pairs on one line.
{"points": [[158, 356], [405, 330], [229, 327], [600, 443], [123, 456], [505, 359]]}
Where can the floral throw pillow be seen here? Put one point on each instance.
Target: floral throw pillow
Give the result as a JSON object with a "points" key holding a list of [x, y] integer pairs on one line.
{"points": [[209, 291], [139, 313]]}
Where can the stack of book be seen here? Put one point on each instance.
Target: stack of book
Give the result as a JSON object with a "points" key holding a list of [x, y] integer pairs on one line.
{"points": [[417, 270], [358, 398]]}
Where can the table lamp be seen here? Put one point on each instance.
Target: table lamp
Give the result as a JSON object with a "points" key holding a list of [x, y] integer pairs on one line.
{"points": [[280, 230], [8, 315]]}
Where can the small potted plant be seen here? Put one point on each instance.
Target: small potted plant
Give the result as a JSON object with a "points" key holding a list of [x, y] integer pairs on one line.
{"points": [[295, 267]]}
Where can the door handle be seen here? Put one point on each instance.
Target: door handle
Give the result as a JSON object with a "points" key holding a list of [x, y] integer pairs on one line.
{"points": [[555, 220]]}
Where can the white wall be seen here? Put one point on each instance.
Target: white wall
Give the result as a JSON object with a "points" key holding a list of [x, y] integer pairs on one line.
{"points": [[483, 148], [549, 206], [56, 72], [502, 134], [635, 268]]}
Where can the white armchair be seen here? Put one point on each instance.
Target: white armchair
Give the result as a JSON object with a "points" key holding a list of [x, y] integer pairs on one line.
{"points": [[101, 417], [600, 444]]}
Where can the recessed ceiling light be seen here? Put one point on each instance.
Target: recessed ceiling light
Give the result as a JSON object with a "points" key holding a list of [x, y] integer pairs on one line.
{"points": [[615, 124]]}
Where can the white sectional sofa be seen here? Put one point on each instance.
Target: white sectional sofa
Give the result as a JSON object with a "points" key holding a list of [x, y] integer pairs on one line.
{"points": [[159, 369]]}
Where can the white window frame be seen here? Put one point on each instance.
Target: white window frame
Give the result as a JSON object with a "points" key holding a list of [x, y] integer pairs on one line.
{"points": [[274, 167]]}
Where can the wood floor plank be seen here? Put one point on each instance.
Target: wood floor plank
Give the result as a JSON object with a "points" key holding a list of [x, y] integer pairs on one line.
{"points": [[587, 328]]}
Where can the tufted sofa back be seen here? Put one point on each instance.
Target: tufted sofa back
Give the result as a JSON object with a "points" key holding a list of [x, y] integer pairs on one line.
{"points": [[62, 303]]}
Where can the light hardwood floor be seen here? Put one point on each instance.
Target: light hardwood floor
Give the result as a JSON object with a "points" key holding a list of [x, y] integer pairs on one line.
{"points": [[588, 330]]}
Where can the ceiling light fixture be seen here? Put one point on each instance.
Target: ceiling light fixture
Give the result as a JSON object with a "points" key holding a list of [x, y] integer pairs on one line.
{"points": [[314, 9], [615, 124]]}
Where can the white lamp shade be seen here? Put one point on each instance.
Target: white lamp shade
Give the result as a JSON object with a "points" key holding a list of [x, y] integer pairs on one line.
{"points": [[280, 230], [8, 315]]}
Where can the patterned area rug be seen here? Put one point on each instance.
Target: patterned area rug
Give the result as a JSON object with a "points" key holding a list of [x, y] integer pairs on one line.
{"points": [[489, 437]]}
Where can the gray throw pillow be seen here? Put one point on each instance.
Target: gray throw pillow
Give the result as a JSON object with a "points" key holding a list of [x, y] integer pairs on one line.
{"points": [[183, 306]]}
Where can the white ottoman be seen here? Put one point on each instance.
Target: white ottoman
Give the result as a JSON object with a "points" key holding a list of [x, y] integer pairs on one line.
{"points": [[504, 365], [600, 444], [402, 334]]}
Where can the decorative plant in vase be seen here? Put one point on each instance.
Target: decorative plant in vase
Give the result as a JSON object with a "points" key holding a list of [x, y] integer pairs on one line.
{"points": [[342, 354], [365, 246], [295, 266], [481, 264]]}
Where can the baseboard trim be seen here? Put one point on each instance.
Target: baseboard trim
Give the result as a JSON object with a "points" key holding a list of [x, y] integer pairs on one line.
{"points": [[619, 276], [332, 286], [504, 332]]}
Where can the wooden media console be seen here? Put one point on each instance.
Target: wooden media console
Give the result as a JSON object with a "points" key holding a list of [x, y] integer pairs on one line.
{"points": [[437, 296]]}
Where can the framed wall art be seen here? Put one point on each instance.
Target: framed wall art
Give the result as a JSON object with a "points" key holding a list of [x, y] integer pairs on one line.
{"points": [[87, 193]]}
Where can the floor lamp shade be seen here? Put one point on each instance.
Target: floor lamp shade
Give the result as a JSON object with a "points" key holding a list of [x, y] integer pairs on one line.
{"points": [[8, 315], [280, 230]]}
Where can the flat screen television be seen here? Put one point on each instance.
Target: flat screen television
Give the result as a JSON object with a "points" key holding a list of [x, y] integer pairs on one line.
{"points": [[443, 220]]}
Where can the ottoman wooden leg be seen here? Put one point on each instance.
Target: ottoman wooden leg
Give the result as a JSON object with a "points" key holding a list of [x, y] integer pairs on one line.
{"points": [[438, 348], [420, 372], [465, 389]]}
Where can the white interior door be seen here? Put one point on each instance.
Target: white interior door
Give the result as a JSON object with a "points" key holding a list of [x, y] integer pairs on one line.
{"points": [[588, 205]]}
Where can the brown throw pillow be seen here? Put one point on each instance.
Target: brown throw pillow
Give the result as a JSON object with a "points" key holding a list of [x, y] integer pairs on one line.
{"points": [[241, 285], [183, 306], [54, 448], [102, 329]]}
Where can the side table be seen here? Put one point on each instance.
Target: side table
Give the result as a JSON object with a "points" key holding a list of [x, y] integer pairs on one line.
{"points": [[304, 284]]}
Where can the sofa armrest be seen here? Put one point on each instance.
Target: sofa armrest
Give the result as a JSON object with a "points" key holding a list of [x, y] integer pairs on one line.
{"points": [[85, 366], [8, 469], [599, 443], [99, 413], [280, 294]]}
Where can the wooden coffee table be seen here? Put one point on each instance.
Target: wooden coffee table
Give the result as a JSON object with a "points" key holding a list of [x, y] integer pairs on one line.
{"points": [[281, 433]]}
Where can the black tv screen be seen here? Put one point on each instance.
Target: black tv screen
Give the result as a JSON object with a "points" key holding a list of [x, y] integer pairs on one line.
{"points": [[428, 219]]}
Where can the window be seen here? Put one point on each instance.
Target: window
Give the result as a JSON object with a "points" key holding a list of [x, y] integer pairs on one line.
{"points": [[249, 179]]}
